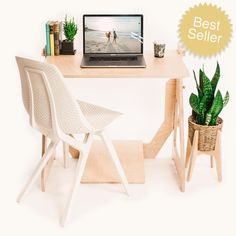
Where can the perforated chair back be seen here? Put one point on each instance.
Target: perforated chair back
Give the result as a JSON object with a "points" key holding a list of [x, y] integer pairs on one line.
{"points": [[47, 99]]}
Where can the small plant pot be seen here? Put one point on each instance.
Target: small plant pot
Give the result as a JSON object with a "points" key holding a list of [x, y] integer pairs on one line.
{"points": [[67, 48], [207, 134]]}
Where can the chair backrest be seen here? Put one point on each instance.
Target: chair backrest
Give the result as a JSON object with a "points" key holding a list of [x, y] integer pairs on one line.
{"points": [[47, 99]]}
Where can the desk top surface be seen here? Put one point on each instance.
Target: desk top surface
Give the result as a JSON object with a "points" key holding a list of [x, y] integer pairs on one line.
{"points": [[171, 66]]}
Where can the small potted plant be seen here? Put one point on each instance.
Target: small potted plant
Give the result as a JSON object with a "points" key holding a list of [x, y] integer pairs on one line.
{"points": [[206, 107], [70, 30]]}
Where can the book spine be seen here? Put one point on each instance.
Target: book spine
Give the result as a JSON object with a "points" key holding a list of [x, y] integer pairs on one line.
{"points": [[60, 34], [48, 51], [51, 40], [56, 39], [60, 30]]}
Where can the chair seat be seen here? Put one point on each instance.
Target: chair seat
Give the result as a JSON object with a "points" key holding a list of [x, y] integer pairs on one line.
{"points": [[99, 117]]}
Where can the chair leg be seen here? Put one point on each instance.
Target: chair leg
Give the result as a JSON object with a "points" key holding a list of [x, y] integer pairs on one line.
{"points": [[188, 153], [78, 175], [38, 169], [193, 155], [65, 153], [115, 159]]}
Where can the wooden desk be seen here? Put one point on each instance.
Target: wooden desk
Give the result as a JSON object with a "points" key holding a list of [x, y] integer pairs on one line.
{"points": [[170, 67]]}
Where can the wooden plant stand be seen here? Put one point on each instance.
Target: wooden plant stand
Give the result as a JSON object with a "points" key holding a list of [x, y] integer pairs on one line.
{"points": [[193, 152]]}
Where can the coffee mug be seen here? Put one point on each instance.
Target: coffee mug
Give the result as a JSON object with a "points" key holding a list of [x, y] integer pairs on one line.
{"points": [[159, 49]]}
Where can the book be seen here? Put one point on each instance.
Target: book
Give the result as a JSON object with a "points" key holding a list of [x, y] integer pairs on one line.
{"points": [[51, 38], [56, 30], [48, 51], [60, 34]]}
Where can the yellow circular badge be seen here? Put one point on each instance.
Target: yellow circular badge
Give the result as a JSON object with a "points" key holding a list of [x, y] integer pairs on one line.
{"points": [[205, 30]]}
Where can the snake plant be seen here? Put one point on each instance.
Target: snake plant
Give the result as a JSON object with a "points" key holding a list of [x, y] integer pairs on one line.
{"points": [[70, 29], [207, 104]]}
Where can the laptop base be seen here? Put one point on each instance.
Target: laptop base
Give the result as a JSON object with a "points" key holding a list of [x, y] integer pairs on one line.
{"points": [[110, 61]]}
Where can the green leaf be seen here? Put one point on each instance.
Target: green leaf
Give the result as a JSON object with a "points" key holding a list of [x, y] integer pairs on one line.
{"points": [[216, 107], [213, 121], [70, 29], [215, 78], [206, 83], [208, 119], [200, 94], [207, 93], [201, 74], [194, 103], [202, 108], [226, 99]]}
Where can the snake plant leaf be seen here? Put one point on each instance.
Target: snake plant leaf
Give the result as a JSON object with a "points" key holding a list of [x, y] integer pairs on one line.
{"points": [[216, 107], [201, 75], [194, 103], [207, 87], [203, 108], [226, 99], [207, 92], [200, 93], [207, 106], [208, 119], [215, 78]]}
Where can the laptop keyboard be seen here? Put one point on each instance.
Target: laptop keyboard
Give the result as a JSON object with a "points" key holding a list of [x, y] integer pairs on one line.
{"points": [[131, 58]]}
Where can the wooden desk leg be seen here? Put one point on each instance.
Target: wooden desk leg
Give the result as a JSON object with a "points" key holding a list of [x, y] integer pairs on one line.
{"points": [[45, 172], [179, 158], [172, 121], [73, 152], [152, 149], [181, 127]]}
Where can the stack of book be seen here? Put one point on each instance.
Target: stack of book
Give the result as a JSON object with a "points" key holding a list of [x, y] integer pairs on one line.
{"points": [[53, 38]]}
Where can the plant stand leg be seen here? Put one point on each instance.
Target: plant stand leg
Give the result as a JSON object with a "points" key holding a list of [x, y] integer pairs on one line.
{"points": [[212, 161], [188, 153], [194, 153], [218, 157]]}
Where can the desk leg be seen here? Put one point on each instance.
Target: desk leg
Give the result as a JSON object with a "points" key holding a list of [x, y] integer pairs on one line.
{"points": [[179, 157], [172, 120], [152, 149]]}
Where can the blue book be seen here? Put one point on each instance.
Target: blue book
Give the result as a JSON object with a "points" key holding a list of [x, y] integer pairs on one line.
{"points": [[48, 51]]}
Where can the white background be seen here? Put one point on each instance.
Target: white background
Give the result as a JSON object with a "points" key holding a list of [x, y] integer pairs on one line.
{"points": [[206, 208]]}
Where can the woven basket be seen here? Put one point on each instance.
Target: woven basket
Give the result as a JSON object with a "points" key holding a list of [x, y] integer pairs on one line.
{"points": [[207, 134]]}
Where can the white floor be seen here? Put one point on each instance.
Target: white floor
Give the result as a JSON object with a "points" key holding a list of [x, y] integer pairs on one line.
{"points": [[206, 208]]}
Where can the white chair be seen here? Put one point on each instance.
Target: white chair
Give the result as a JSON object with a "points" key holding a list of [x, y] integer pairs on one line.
{"points": [[53, 112]]}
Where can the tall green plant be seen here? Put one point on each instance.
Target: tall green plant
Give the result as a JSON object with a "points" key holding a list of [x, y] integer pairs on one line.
{"points": [[207, 104], [70, 29]]}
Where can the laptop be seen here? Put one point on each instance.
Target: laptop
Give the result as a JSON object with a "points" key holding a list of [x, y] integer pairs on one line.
{"points": [[112, 41]]}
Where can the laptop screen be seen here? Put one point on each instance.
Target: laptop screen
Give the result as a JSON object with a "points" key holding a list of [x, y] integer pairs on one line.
{"points": [[113, 34]]}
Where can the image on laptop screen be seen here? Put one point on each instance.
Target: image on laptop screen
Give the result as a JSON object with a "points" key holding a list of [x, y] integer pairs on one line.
{"points": [[113, 34]]}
